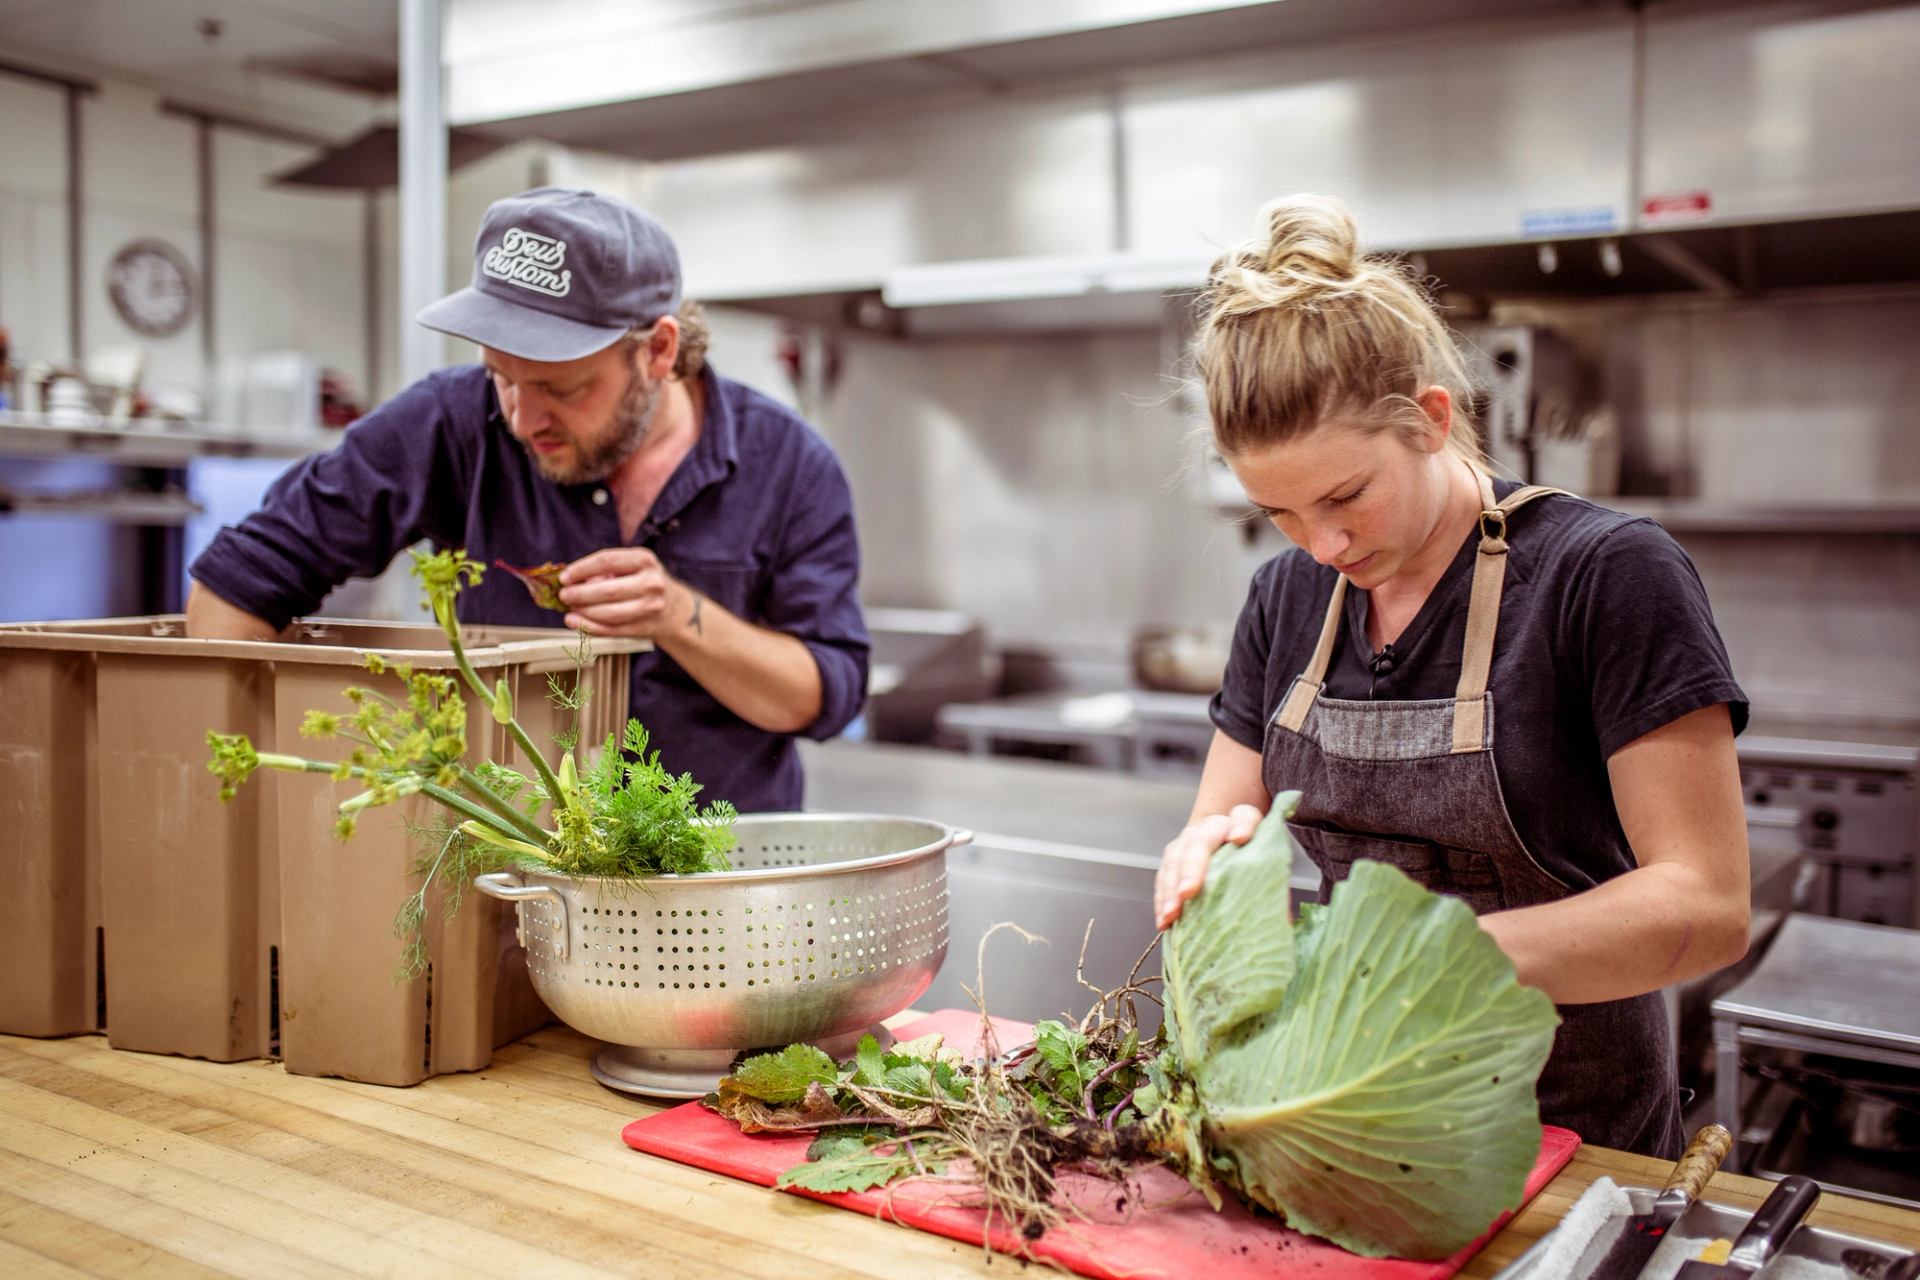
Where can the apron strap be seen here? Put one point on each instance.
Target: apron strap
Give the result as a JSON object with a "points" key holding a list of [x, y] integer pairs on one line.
{"points": [[1483, 611], [1307, 685]]}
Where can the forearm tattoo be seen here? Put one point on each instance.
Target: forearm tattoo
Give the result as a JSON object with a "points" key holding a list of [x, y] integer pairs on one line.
{"points": [[693, 621]]}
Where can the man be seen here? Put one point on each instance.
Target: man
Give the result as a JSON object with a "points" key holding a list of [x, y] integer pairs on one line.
{"points": [[689, 509]]}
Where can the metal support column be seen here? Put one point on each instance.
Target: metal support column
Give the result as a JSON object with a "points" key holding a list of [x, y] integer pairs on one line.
{"points": [[423, 184], [370, 294], [76, 215], [203, 139]]}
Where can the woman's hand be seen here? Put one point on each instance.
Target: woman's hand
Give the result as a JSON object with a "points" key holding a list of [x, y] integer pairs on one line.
{"points": [[1183, 866]]}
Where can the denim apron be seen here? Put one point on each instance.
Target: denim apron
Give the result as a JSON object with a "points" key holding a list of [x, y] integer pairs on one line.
{"points": [[1413, 784]]}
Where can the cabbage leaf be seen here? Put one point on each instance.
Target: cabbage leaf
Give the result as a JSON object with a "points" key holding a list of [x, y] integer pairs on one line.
{"points": [[1368, 1073]]}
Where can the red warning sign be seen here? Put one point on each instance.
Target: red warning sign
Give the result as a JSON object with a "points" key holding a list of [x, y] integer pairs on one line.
{"points": [[1676, 206]]}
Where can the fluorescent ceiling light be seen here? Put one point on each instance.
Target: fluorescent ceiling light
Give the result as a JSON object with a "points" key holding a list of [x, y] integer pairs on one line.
{"points": [[941, 284]]}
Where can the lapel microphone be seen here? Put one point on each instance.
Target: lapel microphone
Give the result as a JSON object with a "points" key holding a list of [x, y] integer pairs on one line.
{"points": [[1384, 661]]}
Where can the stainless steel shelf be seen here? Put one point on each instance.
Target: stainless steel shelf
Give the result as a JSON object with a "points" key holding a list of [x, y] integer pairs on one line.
{"points": [[130, 507], [151, 445], [1694, 515]]}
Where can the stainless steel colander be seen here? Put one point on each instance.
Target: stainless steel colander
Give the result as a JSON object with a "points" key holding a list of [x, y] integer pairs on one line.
{"points": [[829, 923]]}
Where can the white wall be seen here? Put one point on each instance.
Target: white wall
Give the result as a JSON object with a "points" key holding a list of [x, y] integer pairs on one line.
{"points": [[1791, 400], [292, 260], [33, 240], [1039, 483], [289, 263], [288, 274]]}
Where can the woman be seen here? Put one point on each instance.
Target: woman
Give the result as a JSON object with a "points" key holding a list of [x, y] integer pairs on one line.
{"points": [[1595, 823]]}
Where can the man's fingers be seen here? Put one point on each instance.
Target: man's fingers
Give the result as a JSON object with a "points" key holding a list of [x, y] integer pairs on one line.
{"points": [[600, 591], [608, 561], [626, 611]]}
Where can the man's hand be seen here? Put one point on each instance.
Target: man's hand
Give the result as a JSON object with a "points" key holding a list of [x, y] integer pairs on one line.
{"points": [[765, 677], [626, 591]]}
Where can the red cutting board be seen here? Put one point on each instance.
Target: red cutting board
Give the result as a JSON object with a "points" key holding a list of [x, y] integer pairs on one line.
{"points": [[1160, 1226]]}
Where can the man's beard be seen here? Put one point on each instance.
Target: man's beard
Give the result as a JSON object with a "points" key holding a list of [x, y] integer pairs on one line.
{"points": [[626, 427]]}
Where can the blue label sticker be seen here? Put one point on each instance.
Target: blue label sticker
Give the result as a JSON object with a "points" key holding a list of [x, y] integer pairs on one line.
{"points": [[1562, 222]]}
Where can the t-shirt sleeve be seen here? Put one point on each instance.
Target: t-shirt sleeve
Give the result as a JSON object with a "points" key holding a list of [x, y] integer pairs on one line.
{"points": [[1239, 710], [1643, 635], [344, 513], [814, 595]]}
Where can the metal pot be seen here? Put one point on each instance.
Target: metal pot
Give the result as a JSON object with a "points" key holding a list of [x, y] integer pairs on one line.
{"points": [[1181, 659]]}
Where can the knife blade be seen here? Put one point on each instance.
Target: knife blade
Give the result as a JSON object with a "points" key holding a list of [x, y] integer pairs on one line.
{"points": [[1778, 1217], [1642, 1233]]}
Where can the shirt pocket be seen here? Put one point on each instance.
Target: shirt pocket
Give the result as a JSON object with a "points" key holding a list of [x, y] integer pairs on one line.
{"points": [[1466, 874], [734, 585]]}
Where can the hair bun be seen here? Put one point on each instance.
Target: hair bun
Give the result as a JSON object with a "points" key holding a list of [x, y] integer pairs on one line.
{"points": [[1311, 238]]}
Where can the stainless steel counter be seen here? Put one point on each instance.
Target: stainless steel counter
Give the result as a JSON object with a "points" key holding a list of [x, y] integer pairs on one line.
{"points": [[1818, 1050], [1058, 844], [1031, 799], [1839, 980], [1055, 845]]}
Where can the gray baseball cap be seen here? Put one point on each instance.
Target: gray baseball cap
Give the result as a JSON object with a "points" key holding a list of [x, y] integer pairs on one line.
{"points": [[559, 274]]}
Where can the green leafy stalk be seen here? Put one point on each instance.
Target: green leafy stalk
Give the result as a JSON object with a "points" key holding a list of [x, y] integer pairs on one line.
{"points": [[528, 829], [443, 575]]}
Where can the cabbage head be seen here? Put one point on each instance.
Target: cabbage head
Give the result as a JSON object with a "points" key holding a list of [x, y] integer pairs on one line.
{"points": [[1367, 1072]]}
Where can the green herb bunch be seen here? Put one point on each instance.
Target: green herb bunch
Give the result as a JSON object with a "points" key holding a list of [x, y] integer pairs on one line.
{"points": [[625, 815]]}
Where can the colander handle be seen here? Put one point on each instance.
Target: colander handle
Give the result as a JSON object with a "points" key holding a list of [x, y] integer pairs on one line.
{"points": [[502, 885], [958, 838]]}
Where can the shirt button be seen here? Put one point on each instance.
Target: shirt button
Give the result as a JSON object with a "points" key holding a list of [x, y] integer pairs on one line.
{"points": [[599, 497]]}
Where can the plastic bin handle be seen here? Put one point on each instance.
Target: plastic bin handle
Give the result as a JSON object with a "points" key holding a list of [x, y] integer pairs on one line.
{"points": [[502, 885]]}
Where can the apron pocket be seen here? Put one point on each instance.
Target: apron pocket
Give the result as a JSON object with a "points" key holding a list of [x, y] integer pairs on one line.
{"points": [[1471, 876]]}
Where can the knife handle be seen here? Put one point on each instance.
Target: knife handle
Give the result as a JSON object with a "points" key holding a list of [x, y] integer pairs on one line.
{"points": [[1907, 1268], [1698, 1162], [1776, 1219]]}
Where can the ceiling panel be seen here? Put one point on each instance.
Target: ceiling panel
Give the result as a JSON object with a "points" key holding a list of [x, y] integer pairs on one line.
{"points": [[162, 40]]}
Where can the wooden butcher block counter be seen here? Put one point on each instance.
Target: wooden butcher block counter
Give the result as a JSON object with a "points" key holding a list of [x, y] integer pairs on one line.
{"points": [[115, 1163]]}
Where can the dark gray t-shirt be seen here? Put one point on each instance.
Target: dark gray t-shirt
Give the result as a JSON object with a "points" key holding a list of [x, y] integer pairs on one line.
{"points": [[1605, 635]]}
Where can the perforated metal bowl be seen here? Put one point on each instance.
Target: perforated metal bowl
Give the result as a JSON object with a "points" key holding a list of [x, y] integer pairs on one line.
{"points": [[829, 923]]}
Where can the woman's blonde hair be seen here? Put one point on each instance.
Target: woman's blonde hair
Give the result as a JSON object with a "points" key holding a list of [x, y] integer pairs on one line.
{"points": [[1298, 327]]}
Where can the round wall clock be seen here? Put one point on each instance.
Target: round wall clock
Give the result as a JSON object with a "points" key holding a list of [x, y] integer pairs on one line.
{"points": [[152, 288]]}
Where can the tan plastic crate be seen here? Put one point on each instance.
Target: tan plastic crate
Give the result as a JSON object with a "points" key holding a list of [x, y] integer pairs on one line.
{"points": [[49, 832], [221, 924]]}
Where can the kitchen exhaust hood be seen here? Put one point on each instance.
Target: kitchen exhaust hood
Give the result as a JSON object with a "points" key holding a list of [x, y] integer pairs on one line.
{"points": [[664, 79], [1124, 291], [1586, 150]]}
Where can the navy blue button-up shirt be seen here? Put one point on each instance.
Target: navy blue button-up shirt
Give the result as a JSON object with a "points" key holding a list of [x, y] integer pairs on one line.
{"points": [[758, 517]]}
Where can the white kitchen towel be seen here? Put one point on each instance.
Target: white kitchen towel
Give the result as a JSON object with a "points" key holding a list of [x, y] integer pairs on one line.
{"points": [[1604, 1201], [1676, 1251]]}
